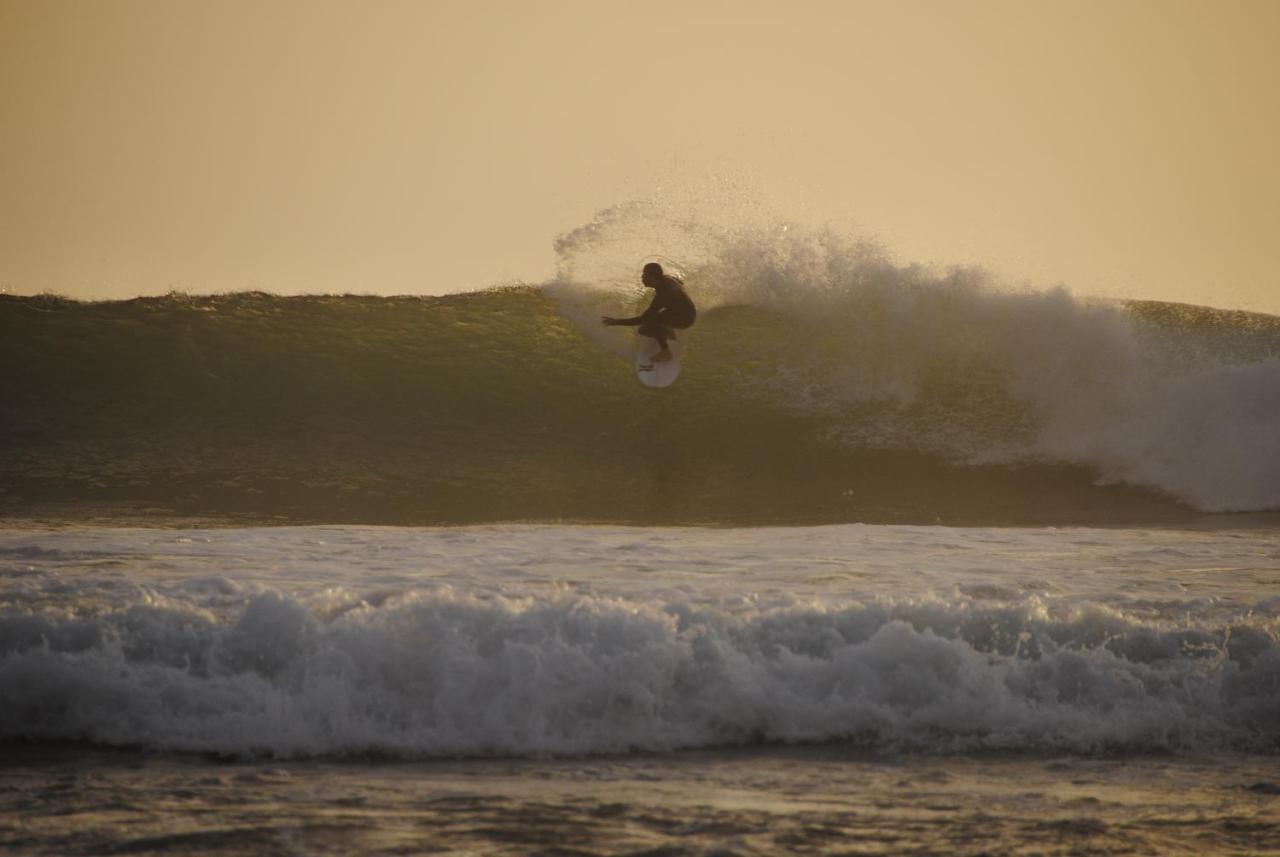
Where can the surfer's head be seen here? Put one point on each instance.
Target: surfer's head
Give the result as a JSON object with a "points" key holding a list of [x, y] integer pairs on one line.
{"points": [[652, 275]]}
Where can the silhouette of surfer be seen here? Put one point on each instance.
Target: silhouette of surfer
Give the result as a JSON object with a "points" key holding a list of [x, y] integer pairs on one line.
{"points": [[671, 310]]}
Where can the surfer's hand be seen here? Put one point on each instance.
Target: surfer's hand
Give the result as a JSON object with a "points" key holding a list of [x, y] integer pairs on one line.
{"points": [[607, 321]]}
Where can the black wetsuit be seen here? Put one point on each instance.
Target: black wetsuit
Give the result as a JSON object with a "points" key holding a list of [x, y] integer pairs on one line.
{"points": [[671, 309]]}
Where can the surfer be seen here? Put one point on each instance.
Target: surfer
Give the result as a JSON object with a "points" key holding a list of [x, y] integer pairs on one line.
{"points": [[671, 310]]}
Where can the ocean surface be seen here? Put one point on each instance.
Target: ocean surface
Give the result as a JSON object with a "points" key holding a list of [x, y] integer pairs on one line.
{"points": [[577, 689], [908, 561]]}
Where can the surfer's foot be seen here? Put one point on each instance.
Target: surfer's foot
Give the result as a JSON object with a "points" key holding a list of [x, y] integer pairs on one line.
{"points": [[662, 356]]}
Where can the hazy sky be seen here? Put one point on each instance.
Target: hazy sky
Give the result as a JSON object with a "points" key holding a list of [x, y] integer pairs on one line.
{"points": [[1124, 148]]}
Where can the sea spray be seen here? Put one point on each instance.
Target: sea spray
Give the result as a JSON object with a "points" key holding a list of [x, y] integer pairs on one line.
{"points": [[897, 356]]}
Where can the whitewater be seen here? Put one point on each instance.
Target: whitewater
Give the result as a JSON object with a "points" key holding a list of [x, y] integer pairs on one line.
{"points": [[956, 362], [532, 640], [749, 690]]}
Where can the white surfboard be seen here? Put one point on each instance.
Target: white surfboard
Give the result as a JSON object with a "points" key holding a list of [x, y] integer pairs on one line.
{"points": [[651, 372]]}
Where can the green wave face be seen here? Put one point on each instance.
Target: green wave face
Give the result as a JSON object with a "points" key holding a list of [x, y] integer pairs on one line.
{"points": [[495, 406]]}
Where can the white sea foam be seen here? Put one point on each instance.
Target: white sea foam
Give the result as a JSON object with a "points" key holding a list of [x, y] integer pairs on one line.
{"points": [[585, 640]]}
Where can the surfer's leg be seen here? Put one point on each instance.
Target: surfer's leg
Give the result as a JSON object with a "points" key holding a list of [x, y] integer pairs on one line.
{"points": [[669, 328], [660, 333]]}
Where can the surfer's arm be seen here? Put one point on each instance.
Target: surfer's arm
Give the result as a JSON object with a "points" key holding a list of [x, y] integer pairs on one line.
{"points": [[651, 314]]}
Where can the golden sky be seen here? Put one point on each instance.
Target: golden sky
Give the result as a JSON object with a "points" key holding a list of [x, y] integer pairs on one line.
{"points": [[1124, 148]]}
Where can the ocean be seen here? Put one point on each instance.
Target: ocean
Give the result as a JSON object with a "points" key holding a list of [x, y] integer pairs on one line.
{"points": [[907, 561], [608, 689]]}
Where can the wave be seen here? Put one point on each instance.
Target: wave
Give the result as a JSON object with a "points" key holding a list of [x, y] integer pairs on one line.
{"points": [[215, 666], [823, 382]]}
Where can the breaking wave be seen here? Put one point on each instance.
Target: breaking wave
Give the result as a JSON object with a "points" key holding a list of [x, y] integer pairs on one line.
{"points": [[1181, 399], [823, 382], [211, 665]]}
